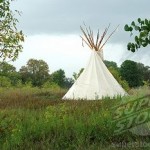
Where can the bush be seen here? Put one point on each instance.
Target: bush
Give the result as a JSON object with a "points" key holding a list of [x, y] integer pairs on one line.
{"points": [[5, 82], [51, 85]]}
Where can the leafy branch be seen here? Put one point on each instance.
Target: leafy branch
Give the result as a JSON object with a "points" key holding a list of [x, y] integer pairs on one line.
{"points": [[142, 39]]}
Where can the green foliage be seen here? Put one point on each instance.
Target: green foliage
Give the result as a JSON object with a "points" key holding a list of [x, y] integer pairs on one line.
{"points": [[143, 37], [10, 37], [9, 71], [4, 81], [68, 82], [28, 84], [25, 75], [58, 77], [146, 83], [111, 64], [56, 126], [27, 122], [130, 72], [6, 68], [36, 71], [51, 85], [19, 84], [14, 77], [145, 72]]}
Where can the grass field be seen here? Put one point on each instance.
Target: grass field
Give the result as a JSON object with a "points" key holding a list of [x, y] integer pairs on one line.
{"points": [[37, 119]]}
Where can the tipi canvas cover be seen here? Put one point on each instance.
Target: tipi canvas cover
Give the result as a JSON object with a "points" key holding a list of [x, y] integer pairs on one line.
{"points": [[95, 82]]}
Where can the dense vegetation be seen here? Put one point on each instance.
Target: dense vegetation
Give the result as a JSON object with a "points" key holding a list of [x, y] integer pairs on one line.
{"points": [[33, 118], [35, 73]]}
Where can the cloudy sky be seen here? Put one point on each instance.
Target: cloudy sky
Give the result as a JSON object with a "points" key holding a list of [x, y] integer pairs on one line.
{"points": [[52, 29]]}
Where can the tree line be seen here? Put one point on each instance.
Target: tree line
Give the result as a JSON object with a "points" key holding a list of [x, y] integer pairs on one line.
{"points": [[36, 73]]}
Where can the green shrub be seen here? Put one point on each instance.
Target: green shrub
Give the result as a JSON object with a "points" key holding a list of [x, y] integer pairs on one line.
{"points": [[4, 81], [51, 85]]}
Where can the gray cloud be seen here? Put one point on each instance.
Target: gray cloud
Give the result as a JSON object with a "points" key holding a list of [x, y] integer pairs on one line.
{"points": [[65, 16]]}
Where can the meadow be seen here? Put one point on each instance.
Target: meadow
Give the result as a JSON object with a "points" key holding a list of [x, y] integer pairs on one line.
{"points": [[37, 119]]}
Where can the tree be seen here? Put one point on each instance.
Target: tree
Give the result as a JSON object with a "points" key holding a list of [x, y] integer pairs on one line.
{"points": [[111, 64], [10, 72], [143, 37], [58, 77], [6, 68], [145, 72], [10, 37], [68, 82], [36, 71], [25, 75], [130, 72]]}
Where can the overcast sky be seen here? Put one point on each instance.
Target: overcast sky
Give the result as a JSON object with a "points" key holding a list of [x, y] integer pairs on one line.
{"points": [[53, 34]]}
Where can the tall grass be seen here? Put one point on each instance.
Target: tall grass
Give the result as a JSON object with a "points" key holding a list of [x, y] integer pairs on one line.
{"points": [[32, 118]]}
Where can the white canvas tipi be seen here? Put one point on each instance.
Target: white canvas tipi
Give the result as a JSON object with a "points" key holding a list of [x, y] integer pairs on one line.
{"points": [[95, 82]]}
